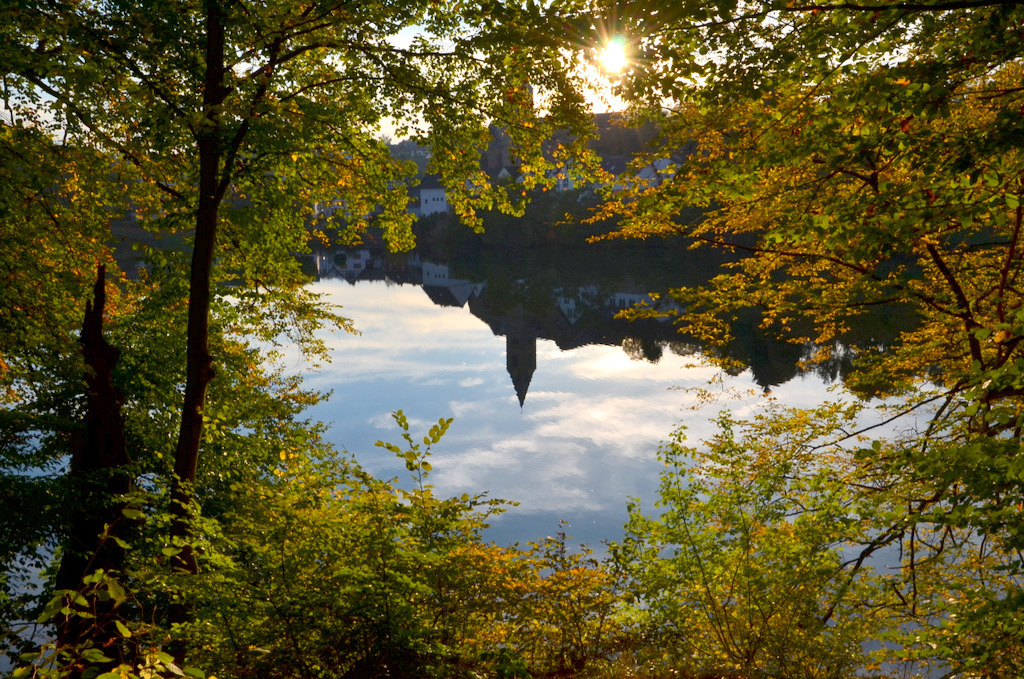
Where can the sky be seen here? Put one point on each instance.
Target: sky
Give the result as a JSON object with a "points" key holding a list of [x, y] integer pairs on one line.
{"points": [[611, 60]]}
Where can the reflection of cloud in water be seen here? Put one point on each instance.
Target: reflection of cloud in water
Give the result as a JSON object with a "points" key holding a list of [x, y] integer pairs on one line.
{"points": [[585, 440], [607, 420], [610, 363], [417, 425], [546, 476], [424, 365], [381, 421]]}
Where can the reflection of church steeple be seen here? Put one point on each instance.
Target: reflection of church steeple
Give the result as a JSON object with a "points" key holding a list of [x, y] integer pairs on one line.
{"points": [[520, 351]]}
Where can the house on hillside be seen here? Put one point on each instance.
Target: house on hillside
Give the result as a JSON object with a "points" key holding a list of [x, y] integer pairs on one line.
{"points": [[429, 197], [498, 161], [617, 143], [663, 169]]}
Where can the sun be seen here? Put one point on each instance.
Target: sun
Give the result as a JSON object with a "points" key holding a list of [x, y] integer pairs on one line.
{"points": [[613, 57]]}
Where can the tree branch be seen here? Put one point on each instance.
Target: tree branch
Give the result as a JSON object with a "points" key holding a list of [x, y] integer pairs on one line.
{"points": [[954, 285]]}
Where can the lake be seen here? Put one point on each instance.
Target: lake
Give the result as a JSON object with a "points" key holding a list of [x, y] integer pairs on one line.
{"points": [[556, 405]]}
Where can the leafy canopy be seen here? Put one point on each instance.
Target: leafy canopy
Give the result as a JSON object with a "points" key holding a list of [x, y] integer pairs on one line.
{"points": [[864, 156]]}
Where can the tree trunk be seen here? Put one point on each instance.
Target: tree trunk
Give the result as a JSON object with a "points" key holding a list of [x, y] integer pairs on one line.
{"points": [[99, 477], [198, 361]]}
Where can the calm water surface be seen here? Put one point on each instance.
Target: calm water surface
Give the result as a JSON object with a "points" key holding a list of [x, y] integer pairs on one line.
{"points": [[583, 441]]}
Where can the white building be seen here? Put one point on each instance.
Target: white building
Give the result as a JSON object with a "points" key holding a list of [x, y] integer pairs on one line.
{"points": [[429, 197]]}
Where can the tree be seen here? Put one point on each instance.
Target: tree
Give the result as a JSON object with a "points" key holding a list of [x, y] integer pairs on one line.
{"points": [[234, 125], [744, 568], [334, 572], [336, 569], [53, 232], [864, 156], [117, 614]]}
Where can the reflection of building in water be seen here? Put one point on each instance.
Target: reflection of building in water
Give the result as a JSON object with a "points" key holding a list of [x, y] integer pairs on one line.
{"points": [[347, 264], [520, 351], [628, 298], [570, 317], [572, 305], [444, 290], [527, 310]]}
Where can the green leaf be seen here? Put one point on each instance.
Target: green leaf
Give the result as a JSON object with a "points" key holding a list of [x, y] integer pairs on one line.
{"points": [[116, 590], [133, 514], [95, 655]]}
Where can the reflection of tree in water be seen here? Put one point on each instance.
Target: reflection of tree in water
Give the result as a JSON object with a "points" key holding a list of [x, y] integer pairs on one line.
{"points": [[771, 361], [587, 315], [643, 349], [569, 291]]}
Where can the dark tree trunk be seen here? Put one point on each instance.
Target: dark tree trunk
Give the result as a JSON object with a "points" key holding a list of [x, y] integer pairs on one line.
{"points": [[99, 477], [198, 361]]}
